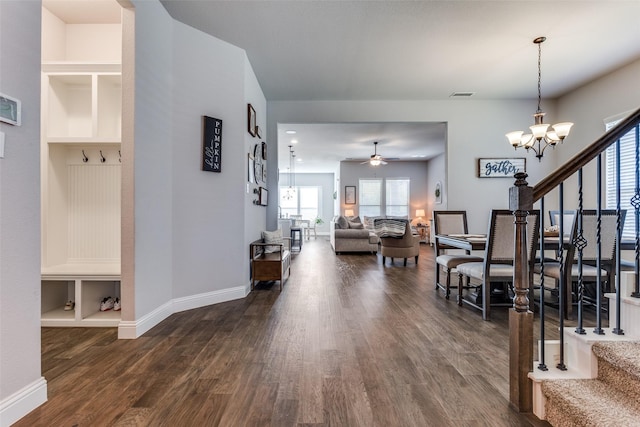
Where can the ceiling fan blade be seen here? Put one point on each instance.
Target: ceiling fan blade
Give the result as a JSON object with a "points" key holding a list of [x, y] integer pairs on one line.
{"points": [[382, 162]]}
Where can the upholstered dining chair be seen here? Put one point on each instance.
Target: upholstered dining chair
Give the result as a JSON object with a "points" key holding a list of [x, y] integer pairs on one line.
{"points": [[568, 218], [590, 273], [449, 222], [497, 266]]}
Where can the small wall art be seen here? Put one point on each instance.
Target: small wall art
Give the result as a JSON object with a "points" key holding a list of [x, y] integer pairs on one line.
{"points": [[349, 195], [251, 120], [212, 145], [501, 167], [438, 193]]}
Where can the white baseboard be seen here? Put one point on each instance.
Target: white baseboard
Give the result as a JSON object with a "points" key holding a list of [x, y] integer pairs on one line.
{"points": [[208, 298], [22, 402], [134, 329]]}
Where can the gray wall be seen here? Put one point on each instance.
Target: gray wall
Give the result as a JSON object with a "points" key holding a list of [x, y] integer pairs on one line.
{"points": [[614, 93], [184, 216], [351, 172], [20, 373]]}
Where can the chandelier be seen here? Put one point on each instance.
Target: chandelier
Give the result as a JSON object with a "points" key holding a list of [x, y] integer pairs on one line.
{"points": [[290, 193], [541, 136]]}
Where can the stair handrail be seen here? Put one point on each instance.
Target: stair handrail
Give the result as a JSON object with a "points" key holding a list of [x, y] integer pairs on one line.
{"points": [[589, 153]]}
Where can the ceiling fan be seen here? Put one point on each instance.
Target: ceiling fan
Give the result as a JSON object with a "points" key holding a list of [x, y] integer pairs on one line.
{"points": [[376, 159]]}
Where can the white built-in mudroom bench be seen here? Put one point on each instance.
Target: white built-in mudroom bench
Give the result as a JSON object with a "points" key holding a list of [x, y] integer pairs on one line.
{"points": [[80, 168]]}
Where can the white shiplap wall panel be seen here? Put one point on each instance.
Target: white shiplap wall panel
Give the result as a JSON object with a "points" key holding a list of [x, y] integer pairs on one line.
{"points": [[94, 213]]}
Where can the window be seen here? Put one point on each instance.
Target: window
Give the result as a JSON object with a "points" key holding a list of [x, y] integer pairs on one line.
{"points": [[395, 202], [397, 197], [370, 197], [628, 144], [303, 201]]}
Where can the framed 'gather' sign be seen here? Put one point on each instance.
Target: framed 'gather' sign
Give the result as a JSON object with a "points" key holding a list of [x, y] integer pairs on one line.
{"points": [[501, 168]]}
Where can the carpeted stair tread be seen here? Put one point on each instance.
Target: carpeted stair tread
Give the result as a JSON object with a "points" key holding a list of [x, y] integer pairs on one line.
{"points": [[625, 355], [589, 403]]}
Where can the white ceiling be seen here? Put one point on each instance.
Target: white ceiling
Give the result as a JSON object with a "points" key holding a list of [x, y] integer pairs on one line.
{"points": [[377, 50], [321, 147]]}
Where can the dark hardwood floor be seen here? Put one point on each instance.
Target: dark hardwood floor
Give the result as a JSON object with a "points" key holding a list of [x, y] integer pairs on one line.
{"points": [[348, 342]]}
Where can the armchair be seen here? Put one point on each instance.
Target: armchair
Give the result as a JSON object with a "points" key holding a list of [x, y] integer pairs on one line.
{"points": [[406, 246]]}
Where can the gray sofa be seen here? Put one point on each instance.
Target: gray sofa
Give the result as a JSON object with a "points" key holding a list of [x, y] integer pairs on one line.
{"points": [[351, 239]]}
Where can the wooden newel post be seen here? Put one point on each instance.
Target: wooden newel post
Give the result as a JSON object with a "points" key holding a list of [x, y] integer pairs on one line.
{"points": [[520, 318]]}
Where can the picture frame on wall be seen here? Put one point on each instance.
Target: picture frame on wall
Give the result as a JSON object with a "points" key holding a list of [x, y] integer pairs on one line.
{"points": [[251, 118], [350, 195], [438, 193], [264, 197], [252, 175]]}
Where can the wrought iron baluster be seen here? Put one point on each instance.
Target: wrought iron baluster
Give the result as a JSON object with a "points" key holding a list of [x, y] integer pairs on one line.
{"points": [[542, 365], [562, 281], [617, 329], [580, 243], [635, 202], [598, 329]]}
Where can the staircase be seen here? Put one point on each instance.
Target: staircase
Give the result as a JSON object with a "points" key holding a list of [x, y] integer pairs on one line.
{"points": [[612, 398], [602, 385]]}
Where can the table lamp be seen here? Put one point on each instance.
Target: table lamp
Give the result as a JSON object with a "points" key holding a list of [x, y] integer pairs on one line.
{"points": [[348, 212], [419, 214]]}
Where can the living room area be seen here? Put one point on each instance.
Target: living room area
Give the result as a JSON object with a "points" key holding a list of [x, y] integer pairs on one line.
{"points": [[359, 171]]}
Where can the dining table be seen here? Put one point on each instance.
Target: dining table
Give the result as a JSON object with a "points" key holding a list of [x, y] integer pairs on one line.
{"points": [[467, 242]]}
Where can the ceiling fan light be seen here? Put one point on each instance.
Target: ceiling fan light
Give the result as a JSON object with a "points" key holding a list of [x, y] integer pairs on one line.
{"points": [[562, 129], [375, 162]]}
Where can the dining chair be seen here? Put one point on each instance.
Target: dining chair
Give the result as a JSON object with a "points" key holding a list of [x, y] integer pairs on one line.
{"points": [[449, 222], [497, 266], [568, 218], [590, 272]]}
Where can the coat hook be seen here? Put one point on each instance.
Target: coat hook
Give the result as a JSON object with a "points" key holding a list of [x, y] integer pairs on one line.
{"points": [[85, 159], [102, 159], [119, 156]]}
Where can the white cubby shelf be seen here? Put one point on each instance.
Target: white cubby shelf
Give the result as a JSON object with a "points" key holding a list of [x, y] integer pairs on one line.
{"points": [[86, 285]]}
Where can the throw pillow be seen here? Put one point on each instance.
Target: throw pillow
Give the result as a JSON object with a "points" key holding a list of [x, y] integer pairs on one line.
{"points": [[356, 225], [272, 237], [342, 221], [355, 219]]}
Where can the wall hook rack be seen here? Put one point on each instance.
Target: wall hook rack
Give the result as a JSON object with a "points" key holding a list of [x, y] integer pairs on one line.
{"points": [[102, 159], [85, 159]]}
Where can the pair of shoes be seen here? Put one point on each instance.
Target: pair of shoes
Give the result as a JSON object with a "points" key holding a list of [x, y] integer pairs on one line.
{"points": [[116, 305], [69, 306], [106, 304]]}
